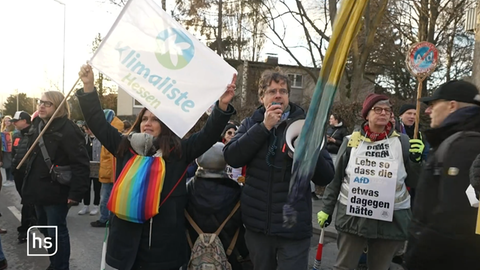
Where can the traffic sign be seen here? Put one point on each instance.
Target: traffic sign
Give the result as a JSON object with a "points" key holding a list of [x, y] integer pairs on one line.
{"points": [[422, 59]]}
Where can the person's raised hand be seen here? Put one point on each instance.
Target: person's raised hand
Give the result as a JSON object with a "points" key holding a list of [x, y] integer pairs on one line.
{"points": [[273, 114], [225, 99], [86, 75]]}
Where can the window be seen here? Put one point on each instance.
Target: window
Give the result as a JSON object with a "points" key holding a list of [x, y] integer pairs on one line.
{"points": [[296, 80], [137, 104]]}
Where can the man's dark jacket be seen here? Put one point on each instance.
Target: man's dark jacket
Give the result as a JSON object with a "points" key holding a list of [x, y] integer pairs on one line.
{"points": [[442, 233], [268, 176], [66, 147], [19, 147]]}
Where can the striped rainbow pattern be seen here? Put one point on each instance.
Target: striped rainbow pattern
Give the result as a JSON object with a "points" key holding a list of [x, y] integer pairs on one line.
{"points": [[345, 28], [7, 141], [135, 195]]}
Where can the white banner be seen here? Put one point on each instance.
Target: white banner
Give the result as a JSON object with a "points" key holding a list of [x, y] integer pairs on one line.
{"points": [[156, 61], [372, 188]]}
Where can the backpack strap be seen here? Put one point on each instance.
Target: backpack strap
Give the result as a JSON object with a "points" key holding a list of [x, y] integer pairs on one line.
{"points": [[41, 144], [189, 239], [232, 244], [405, 143], [442, 149], [194, 225], [228, 218]]}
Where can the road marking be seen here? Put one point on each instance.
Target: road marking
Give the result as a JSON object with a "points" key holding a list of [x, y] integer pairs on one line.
{"points": [[15, 212]]}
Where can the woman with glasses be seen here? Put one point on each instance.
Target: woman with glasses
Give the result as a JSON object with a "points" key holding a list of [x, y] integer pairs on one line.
{"points": [[158, 241], [227, 134], [369, 191], [64, 147]]}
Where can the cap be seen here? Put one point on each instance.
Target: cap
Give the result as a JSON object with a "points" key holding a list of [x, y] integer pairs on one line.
{"points": [[457, 90], [21, 115]]}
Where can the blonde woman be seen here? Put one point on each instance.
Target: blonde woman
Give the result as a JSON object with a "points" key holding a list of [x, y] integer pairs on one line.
{"points": [[7, 128]]}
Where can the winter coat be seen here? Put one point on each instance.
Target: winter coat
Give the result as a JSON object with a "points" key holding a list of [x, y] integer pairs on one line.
{"points": [[338, 133], [66, 147], [475, 174], [210, 201], [19, 147], [106, 174], [268, 176], [443, 224], [128, 243], [364, 227]]}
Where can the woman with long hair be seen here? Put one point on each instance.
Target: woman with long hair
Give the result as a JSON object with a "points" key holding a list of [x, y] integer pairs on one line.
{"points": [[7, 130], [159, 240]]}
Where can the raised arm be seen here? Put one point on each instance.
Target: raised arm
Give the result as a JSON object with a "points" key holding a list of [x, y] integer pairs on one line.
{"points": [[109, 136], [201, 141]]}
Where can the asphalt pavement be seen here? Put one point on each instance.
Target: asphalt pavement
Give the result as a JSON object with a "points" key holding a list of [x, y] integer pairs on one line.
{"points": [[86, 241]]}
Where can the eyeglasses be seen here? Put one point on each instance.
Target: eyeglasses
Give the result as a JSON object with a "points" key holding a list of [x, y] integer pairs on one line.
{"points": [[379, 110], [272, 92], [230, 132], [45, 103]]}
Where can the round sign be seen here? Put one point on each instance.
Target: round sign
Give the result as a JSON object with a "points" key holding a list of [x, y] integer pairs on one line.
{"points": [[422, 59]]}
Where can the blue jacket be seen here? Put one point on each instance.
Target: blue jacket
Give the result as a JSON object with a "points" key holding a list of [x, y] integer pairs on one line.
{"points": [[268, 176]]}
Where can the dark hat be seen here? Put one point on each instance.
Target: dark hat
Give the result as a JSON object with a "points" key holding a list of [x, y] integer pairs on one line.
{"points": [[213, 159], [21, 115], [457, 90], [371, 100], [227, 127], [406, 107]]}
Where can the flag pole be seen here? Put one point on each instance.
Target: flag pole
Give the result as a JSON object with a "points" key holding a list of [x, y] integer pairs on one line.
{"points": [[47, 125]]}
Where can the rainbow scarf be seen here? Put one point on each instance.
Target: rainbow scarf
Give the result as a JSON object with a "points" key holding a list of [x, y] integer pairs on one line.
{"points": [[7, 141], [135, 195]]}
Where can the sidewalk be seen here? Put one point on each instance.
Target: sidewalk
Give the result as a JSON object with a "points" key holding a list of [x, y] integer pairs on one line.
{"points": [[330, 231]]}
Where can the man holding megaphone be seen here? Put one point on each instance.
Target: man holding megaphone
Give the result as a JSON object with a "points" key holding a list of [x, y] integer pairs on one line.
{"points": [[262, 144]]}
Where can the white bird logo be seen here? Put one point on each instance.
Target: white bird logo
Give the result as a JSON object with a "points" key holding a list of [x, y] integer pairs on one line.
{"points": [[169, 45]]}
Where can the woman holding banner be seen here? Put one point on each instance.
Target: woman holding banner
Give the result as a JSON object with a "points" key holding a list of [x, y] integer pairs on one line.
{"points": [[373, 208], [149, 239]]}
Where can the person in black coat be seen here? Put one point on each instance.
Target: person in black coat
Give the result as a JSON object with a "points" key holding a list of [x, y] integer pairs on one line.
{"points": [[159, 243], [442, 232], [22, 122], [335, 134], [66, 147], [212, 196], [259, 144]]}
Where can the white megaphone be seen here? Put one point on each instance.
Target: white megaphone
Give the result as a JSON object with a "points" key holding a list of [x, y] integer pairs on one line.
{"points": [[292, 132]]}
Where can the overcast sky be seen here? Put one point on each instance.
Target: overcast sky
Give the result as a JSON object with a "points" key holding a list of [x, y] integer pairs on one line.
{"points": [[32, 42]]}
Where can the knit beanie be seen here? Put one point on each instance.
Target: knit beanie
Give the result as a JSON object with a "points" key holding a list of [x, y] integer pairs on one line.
{"points": [[213, 160], [227, 127], [406, 107], [371, 100], [109, 115]]}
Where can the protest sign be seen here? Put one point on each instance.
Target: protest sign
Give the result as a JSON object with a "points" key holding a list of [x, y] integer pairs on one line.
{"points": [[160, 64]]}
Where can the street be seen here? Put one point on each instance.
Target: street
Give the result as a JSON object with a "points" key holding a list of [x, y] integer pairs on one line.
{"points": [[86, 241]]}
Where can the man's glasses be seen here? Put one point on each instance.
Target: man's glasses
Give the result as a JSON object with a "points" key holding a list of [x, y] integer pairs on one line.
{"points": [[379, 110], [45, 103], [272, 92]]}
